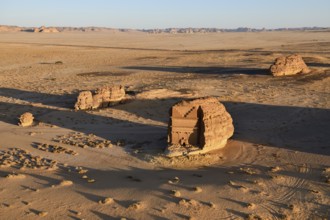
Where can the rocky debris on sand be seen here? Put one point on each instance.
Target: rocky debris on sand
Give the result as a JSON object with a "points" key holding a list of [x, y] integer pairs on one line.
{"points": [[65, 183], [103, 97], [176, 193], [21, 159], [198, 126], [289, 65], [26, 119], [15, 176], [187, 203], [82, 140], [248, 170], [253, 217], [136, 205], [326, 175], [42, 214], [90, 180], [251, 205], [174, 180], [55, 149], [197, 189], [81, 170], [275, 169], [106, 201]]}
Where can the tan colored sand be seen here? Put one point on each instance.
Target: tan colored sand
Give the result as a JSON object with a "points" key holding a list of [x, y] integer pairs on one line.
{"points": [[275, 166]]}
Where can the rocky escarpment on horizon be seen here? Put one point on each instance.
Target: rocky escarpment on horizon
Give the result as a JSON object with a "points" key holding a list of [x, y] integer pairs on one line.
{"points": [[7, 28]]}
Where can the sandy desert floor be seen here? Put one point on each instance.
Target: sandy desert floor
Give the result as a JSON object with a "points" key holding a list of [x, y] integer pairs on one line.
{"points": [[276, 166]]}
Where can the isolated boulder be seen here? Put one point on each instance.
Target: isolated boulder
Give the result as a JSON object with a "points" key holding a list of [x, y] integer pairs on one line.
{"points": [[289, 65], [102, 98], [84, 101], [26, 119], [198, 126]]}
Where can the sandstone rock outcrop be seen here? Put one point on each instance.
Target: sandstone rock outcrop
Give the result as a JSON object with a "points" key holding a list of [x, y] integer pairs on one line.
{"points": [[290, 65], [44, 29], [107, 96], [84, 101], [198, 126], [102, 98], [26, 119]]}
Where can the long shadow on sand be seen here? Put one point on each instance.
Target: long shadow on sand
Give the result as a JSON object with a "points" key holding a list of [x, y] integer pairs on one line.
{"points": [[202, 70], [318, 64], [64, 101], [296, 128], [85, 122]]}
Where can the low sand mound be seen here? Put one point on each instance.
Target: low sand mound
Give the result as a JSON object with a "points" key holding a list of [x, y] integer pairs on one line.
{"points": [[198, 126], [290, 65]]}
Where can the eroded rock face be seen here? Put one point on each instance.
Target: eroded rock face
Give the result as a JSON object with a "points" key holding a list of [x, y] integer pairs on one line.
{"points": [[26, 119], [107, 96], [84, 101], [198, 126], [103, 97], [290, 65]]}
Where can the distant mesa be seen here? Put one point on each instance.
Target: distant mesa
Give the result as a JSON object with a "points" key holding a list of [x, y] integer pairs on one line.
{"points": [[289, 65], [198, 126], [101, 98], [4, 28], [44, 29]]}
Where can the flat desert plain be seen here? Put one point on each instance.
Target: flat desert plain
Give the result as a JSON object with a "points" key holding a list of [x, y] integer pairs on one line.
{"points": [[109, 163]]}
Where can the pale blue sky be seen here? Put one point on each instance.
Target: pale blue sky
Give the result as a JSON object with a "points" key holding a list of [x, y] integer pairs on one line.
{"points": [[166, 13]]}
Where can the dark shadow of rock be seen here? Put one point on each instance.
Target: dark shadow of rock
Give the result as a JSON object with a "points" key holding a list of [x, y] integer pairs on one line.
{"points": [[103, 216], [64, 101], [203, 70], [85, 122], [294, 128], [318, 64]]}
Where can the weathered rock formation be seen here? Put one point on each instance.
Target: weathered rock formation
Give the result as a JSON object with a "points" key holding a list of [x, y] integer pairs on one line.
{"points": [[26, 119], [107, 96], [103, 97], [44, 29], [84, 101], [198, 126], [290, 65]]}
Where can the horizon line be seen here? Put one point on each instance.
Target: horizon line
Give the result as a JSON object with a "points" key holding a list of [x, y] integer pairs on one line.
{"points": [[108, 27]]}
